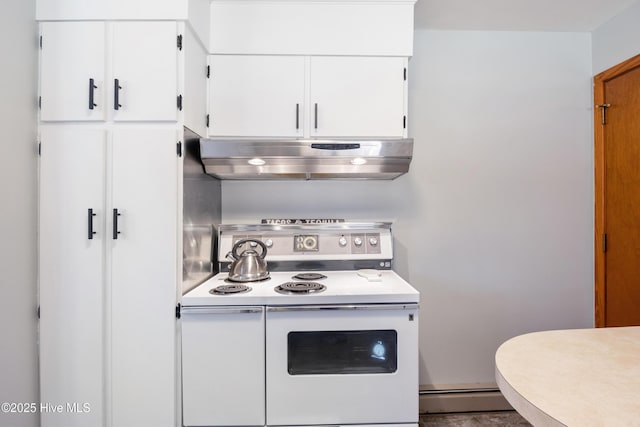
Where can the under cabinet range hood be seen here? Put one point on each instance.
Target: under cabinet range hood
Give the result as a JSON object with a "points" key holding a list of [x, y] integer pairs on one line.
{"points": [[280, 159]]}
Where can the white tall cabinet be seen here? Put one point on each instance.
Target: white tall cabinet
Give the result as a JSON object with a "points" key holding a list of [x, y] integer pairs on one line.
{"points": [[108, 274], [110, 220]]}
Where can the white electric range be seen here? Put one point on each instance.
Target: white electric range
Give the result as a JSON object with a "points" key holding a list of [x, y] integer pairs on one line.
{"points": [[330, 338]]}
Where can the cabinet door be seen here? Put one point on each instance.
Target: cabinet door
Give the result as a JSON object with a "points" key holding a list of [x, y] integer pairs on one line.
{"points": [[143, 286], [72, 83], [71, 290], [213, 340], [145, 71], [357, 97], [256, 96]]}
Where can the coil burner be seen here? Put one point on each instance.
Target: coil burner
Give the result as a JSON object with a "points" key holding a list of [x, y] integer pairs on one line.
{"points": [[300, 288], [309, 276], [230, 289]]}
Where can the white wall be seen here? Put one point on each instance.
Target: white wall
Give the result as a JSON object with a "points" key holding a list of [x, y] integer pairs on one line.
{"points": [[18, 363], [617, 40], [494, 220]]}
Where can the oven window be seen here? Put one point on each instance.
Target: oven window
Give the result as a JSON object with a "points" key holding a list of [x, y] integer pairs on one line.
{"points": [[342, 352]]}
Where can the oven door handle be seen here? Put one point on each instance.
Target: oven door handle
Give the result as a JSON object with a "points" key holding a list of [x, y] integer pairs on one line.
{"points": [[219, 310], [412, 306]]}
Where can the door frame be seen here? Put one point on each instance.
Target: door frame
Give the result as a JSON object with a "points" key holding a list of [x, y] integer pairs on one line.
{"points": [[599, 82]]}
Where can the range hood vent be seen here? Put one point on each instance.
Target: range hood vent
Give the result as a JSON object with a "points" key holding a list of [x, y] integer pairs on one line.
{"points": [[306, 158]]}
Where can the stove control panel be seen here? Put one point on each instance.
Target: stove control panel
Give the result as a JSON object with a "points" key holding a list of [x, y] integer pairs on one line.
{"points": [[303, 245]]}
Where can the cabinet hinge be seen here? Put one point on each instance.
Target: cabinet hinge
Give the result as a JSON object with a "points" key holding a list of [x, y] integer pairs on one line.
{"points": [[40, 103], [208, 71], [405, 73], [404, 122], [179, 41], [207, 120], [40, 42], [178, 311], [39, 148], [604, 242], [180, 102], [179, 149], [38, 312]]}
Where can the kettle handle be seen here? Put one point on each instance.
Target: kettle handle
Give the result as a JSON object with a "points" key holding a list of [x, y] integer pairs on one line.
{"points": [[234, 251]]}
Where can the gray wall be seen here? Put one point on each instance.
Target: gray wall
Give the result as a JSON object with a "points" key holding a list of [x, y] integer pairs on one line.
{"points": [[18, 363], [617, 40], [493, 223]]}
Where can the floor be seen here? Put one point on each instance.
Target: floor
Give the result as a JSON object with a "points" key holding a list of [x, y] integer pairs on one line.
{"points": [[474, 419]]}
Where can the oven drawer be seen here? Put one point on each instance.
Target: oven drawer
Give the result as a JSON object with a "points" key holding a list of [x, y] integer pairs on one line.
{"points": [[222, 366], [342, 364]]}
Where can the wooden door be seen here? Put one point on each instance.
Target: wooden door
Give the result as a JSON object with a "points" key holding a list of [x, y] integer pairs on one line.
{"points": [[143, 283], [617, 167], [71, 285], [72, 82], [357, 97], [256, 95]]}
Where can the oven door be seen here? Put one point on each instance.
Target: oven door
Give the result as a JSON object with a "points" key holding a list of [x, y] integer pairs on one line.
{"points": [[342, 364]]}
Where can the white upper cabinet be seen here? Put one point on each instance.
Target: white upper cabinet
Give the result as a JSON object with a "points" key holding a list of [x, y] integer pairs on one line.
{"points": [[110, 9], [307, 97], [72, 80], [358, 97], [142, 85], [145, 71], [256, 95]]}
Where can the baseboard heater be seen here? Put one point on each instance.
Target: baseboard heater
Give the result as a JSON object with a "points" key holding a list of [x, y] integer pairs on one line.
{"points": [[462, 400]]}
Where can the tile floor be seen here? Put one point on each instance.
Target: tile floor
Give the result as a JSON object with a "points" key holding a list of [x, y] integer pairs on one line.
{"points": [[474, 419]]}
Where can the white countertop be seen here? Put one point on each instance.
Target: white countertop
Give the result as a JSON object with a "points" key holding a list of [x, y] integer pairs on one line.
{"points": [[580, 377]]}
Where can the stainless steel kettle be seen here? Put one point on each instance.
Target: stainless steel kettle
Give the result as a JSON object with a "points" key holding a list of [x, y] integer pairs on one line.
{"points": [[249, 266]]}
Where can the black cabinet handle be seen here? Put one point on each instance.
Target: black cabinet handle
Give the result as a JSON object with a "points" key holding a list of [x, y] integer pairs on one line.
{"points": [[92, 86], [90, 231], [297, 116], [315, 114], [116, 94], [116, 214]]}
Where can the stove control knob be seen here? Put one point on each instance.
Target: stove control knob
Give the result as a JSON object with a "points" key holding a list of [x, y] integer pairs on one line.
{"points": [[268, 243], [342, 242], [373, 241], [357, 241]]}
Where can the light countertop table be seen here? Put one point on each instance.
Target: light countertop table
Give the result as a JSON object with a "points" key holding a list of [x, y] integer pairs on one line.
{"points": [[579, 377]]}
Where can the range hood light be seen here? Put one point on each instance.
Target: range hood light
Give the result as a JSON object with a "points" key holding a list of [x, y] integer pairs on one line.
{"points": [[358, 161], [256, 162]]}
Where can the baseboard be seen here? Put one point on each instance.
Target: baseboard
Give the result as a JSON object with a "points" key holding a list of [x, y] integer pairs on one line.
{"points": [[438, 401]]}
